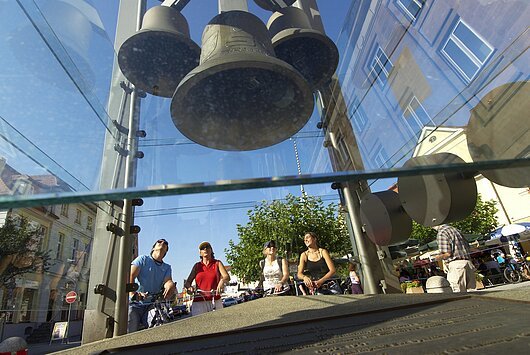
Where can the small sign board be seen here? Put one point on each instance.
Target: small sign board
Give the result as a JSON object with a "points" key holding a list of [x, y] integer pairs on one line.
{"points": [[71, 297], [59, 331]]}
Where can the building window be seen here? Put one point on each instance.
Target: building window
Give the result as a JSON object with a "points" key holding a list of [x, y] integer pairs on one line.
{"points": [[466, 50], [60, 244], [43, 236], [78, 216], [89, 223], [416, 117], [357, 116], [381, 66], [411, 8], [343, 151], [75, 248], [380, 158], [85, 255], [64, 210]]}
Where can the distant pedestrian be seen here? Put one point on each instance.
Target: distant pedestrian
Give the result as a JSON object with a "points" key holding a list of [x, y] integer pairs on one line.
{"points": [[455, 252], [356, 288], [210, 277]]}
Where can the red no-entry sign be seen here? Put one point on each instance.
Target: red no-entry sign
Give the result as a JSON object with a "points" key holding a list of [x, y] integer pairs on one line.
{"points": [[71, 297]]}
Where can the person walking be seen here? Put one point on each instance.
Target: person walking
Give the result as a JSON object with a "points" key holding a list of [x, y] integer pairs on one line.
{"points": [[210, 277], [455, 252], [356, 288], [275, 270], [153, 275], [316, 267]]}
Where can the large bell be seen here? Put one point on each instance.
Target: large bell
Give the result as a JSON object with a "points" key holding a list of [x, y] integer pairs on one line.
{"points": [[240, 97], [156, 58], [436, 199], [499, 128], [311, 52]]}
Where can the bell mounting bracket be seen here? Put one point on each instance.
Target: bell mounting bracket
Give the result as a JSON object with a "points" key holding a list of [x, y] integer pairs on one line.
{"points": [[280, 4], [176, 4]]}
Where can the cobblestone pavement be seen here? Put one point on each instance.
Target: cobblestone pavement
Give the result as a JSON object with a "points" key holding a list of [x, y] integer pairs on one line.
{"points": [[427, 323]]}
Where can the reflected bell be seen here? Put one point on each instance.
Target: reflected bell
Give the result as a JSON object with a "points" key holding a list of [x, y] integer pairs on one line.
{"points": [[311, 52], [499, 128], [156, 58], [437, 199], [384, 219], [67, 32], [240, 97]]}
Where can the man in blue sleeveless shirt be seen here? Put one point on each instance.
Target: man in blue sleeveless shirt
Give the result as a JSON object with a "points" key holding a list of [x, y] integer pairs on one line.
{"points": [[153, 275]]}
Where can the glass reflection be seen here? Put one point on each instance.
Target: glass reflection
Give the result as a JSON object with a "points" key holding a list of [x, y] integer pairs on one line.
{"points": [[415, 78]]}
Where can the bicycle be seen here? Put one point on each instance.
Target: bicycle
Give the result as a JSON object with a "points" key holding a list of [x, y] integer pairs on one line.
{"points": [[159, 311], [286, 290], [511, 272], [524, 265]]}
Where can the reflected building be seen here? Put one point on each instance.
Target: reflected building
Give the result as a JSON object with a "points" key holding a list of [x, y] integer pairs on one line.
{"points": [[66, 232], [410, 64], [513, 204]]}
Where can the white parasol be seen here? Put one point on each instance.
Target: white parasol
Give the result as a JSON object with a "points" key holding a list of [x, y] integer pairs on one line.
{"points": [[511, 229]]}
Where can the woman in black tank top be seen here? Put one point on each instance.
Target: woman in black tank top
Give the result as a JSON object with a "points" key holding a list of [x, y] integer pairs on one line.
{"points": [[316, 266]]}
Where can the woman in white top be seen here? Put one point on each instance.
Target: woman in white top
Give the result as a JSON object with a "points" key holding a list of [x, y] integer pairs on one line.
{"points": [[275, 270], [356, 288]]}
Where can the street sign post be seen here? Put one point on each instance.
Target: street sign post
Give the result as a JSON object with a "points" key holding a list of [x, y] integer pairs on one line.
{"points": [[70, 298]]}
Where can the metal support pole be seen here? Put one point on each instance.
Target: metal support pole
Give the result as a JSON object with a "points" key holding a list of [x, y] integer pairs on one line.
{"points": [[67, 324], [334, 116], [371, 267], [108, 274], [126, 217]]}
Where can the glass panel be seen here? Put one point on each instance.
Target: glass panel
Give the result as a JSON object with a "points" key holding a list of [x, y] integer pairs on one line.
{"points": [[64, 123], [68, 74]]}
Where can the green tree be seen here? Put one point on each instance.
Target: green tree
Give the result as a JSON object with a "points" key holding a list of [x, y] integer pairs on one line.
{"points": [[481, 221], [20, 250], [286, 222]]}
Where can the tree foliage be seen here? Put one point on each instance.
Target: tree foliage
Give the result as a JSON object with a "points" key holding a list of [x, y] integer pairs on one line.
{"points": [[286, 222], [481, 221], [20, 250]]}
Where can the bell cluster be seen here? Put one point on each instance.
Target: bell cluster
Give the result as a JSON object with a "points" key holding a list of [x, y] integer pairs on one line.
{"points": [[248, 86]]}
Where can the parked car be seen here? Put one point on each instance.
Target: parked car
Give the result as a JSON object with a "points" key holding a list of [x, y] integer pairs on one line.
{"points": [[229, 301]]}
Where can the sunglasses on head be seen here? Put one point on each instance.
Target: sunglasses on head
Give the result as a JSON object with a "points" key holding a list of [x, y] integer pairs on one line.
{"points": [[162, 241], [271, 245], [205, 247]]}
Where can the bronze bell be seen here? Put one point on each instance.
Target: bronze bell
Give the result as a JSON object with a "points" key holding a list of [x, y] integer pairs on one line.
{"points": [[384, 219], [499, 128], [311, 52], [436, 199], [156, 58], [240, 97]]}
